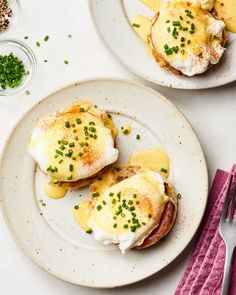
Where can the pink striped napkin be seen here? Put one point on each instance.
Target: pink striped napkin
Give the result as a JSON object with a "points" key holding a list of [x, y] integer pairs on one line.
{"points": [[205, 269]]}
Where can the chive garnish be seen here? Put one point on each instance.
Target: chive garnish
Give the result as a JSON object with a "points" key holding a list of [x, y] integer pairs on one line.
{"points": [[78, 121], [137, 136], [59, 152], [38, 44], [104, 202], [46, 38], [111, 194], [67, 124], [135, 25], [126, 225], [82, 110], [76, 207], [99, 207], [63, 141], [71, 167], [66, 62], [89, 231], [95, 195], [176, 23], [71, 144]]}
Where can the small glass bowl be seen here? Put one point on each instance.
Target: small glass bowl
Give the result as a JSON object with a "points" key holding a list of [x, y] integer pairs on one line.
{"points": [[14, 20], [24, 53]]}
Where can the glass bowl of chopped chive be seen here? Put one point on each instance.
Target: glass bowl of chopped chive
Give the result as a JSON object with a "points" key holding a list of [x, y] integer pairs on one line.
{"points": [[17, 67]]}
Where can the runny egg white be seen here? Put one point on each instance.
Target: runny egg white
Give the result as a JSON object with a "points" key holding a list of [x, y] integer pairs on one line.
{"points": [[73, 144], [127, 212]]}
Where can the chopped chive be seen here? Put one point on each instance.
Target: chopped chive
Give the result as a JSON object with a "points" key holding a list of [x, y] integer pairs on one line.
{"points": [[143, 223], [99, 207], [74, 158], [56, 156], [95, 195], [132, 208], [135, 25], [168, 29], [46, 38], [78, 121], [149, 215], [60, 161], [167, 21], [71, 167], [76, 138], [182, 51], [67, 124], [176, 23], [126, 225], [76, 207], [111, 194], [70, 177], [26, 37], [80, 154], [82, 110], [188, 41], [104, 202], [71, 144], [114, 217], [134, 196], [37, 44], [188, 14], [137, 136], [166, 46], [89, 231], [66, 62], [182, 45], [180, 17], [115, 225], [59, 152], [73, 125], [63, 141], [113, 201], [182, 39]]}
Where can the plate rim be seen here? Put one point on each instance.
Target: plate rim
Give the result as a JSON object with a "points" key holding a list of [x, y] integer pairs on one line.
{"points": [[102, 79], [147, 78]]}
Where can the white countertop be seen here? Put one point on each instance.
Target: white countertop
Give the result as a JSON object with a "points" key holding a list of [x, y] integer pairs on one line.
{"points": [[212, 114]]}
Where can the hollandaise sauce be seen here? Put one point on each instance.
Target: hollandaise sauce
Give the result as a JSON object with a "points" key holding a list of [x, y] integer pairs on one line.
{"points": [[53, 190], [226, 9], [81, 213], [154, 158]]}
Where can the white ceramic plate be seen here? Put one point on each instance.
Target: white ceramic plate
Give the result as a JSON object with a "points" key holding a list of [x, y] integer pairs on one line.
{"points": [[112, 21], [49, 235]]}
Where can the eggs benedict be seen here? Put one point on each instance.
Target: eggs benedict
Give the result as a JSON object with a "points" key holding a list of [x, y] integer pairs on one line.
{"points": [[183, 37], [72, 146], [131, 206]]}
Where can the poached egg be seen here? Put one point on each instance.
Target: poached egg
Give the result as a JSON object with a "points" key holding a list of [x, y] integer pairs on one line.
{"points": [[126, 213], [75, 143]]}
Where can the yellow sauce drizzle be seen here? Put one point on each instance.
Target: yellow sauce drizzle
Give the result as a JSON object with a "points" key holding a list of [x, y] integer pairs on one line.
{"points": [[154, 158], [154, 5], [54, 191], [81, 213], [226, 9]]}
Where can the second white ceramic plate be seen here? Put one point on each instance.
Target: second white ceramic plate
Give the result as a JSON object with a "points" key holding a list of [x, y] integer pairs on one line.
{"points": [[49, 235], [112, 21]]}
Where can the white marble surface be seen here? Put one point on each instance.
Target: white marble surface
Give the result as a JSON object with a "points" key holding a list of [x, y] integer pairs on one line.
{"points": [[212, 114]]}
